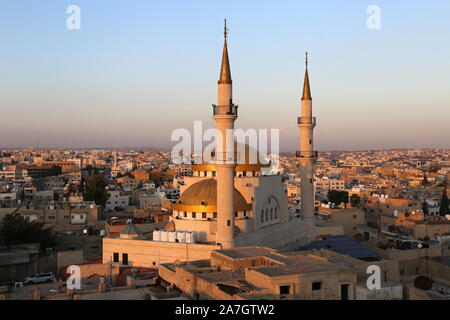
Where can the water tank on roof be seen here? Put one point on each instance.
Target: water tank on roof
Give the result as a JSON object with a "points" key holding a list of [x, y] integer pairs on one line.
{"points": [[172, 236], [157, 235], [190, 237], [103, 232], [164, 236], [181, 236], [395, 213]]}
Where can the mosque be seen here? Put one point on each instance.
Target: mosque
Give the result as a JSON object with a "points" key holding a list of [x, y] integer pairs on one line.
{"points": [[227, 204]]}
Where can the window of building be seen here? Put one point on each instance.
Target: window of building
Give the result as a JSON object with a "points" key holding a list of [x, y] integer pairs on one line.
{"points": [[193, 215], [228, 223], [402, 271], [204, 215], [316, 286], [185, 214], [354, 216], [215, 215], [116, 257], [245, 213], [285, 289], [267, 214], [125, 258], [213, 173], [276, 212], [235, 214], [271, 213], [262, 215]]}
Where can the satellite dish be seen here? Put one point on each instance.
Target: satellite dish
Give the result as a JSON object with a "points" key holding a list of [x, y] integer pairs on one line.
{"points": [[419, 246], [423, 283]]}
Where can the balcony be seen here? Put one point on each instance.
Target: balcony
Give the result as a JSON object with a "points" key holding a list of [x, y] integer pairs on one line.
{"points": [[306, 120], [232, 110], [306, 154]]}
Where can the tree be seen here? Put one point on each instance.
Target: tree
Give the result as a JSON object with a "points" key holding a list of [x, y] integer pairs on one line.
{"points": [[425, 180], [95, 190], [337, 197], [17, 229], [443, 209], [355, 200], [425, 207]]}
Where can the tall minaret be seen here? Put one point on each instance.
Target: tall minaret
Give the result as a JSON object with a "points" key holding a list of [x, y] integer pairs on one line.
{"points": [[225, 113], [307, 156]]}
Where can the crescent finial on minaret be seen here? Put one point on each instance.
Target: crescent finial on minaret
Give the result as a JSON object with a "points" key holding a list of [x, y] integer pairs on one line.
{"points": [[225, 29]]}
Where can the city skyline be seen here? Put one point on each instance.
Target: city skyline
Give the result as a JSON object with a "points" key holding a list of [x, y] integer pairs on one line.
{"points": [[120, 81]]}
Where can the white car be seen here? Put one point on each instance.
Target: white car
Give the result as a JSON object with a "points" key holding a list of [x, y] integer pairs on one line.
{"points": [[39, 278]]}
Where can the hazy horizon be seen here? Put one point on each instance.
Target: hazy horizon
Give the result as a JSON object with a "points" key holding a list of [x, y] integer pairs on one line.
{"points": [[136, 71]]}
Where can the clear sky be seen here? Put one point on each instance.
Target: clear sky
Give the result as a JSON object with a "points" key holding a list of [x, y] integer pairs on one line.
{"points": [[139, 69]]}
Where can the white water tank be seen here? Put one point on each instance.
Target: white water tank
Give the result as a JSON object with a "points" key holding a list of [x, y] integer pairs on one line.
{"points": [[181, 236], [190, 237], [156, 235], [395, 213], [172, 236], [164, 236]]}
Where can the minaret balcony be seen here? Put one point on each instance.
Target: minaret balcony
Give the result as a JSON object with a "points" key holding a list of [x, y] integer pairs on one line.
{"points": [[306, 154], [225, 110], [306, 120]]}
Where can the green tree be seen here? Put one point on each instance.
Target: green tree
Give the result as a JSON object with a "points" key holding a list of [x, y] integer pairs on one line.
{"points": [[17, 229], [425, 180], [337, 197], [95, 190], [425, 207], [443, 209], [355, 200]]}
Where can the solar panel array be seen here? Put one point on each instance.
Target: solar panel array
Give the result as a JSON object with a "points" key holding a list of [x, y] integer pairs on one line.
{"points": [[343, 244]]}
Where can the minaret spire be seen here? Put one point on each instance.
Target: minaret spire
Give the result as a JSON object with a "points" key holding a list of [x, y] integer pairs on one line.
{"points": [[225, 72], [306, 89], [224, 114], [307, 157]]}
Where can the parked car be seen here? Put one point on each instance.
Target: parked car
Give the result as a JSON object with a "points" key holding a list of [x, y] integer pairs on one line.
{"points": [[39, 278]]}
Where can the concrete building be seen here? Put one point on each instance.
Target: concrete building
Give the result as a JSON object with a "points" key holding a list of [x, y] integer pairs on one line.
{"points": [[256, 273]]}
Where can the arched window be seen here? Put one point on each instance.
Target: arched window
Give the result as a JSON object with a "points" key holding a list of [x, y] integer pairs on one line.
{"points": [[262, 215], [267, 214], [276, 212], [271, 213]]}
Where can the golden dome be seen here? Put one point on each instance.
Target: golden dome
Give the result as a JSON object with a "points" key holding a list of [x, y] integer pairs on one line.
{"points": [[243, 160], [202, 197]]}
